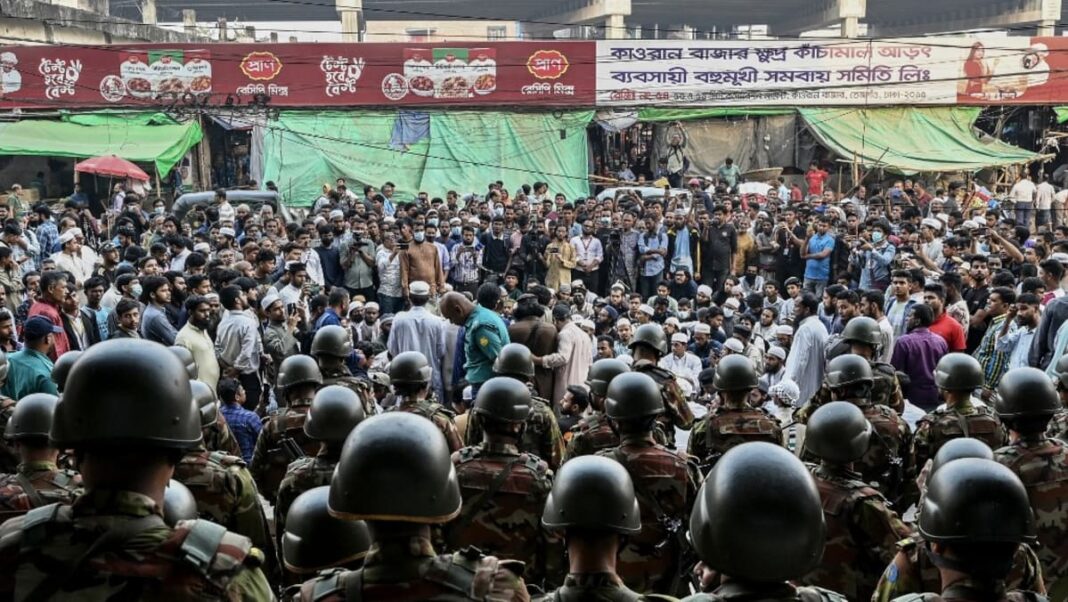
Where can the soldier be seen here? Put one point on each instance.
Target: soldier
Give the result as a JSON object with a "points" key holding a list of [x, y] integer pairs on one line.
{"points": [[310, 524], [594, 505], [503, 489], [1026, 401], [221, 484], [861, 530], [973, 519], [112, 542], [734, 421], [911, 570], [334, 412], [849, 378], [541, 436], [864, 338], [331, 347], [956, 376], [593, 433], [648, 345], [409, 374], [38, 481], [1058, 425], [298, 379], [9, 458], [665, 484], [61, 369], [395, 473], [217, 434], [178, 503], [758, 524]]}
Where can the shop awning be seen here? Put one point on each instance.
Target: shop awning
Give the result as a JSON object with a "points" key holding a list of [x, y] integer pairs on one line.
{"points": [[657, 114], [911, 140], [133, 139]]}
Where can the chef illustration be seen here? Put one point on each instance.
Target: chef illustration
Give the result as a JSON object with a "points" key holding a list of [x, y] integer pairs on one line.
{"points": [[10, 78]]}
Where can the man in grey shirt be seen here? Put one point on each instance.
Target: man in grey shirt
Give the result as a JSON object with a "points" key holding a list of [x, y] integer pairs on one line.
{"points": [[358, 260], [238, 343], [155, 294]]}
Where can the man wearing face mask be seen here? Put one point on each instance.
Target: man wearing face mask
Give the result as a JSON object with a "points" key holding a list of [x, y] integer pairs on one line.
{"points": [[466, 259], [420, 261], [358, 260], [876, 258]]}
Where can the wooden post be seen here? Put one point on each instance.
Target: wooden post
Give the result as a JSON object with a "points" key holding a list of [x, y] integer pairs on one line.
{"points": [[159, 190]]}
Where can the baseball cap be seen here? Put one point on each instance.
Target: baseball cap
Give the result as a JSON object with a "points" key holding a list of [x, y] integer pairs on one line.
{"points": [[38, 327]]}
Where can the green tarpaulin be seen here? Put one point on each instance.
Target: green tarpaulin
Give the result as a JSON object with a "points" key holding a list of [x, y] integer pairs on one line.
{"points": [[132, 139], [655, 114], [425, 151], [1061, 113], [910, 140]]}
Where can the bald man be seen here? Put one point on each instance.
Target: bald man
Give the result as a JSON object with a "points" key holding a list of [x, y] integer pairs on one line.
{"points": [[484, 332]]}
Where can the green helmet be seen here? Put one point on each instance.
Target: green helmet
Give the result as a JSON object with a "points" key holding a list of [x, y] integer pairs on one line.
{"points": [[186, 356], [602, 372], [61, 369], [3, 368], [758, 516], [334, 412], [862, 329], [104, 403], [735, 373], [961, 447], [32, 417], [205, 398], [633, 395], [503, 398], [331, 341], [298, 370], [1062, 370], [1026, 392], [848, 369], [838, 432], [514, 360], [651, 335], [178, 504], [958, 372], [409, 368], [595, 493], [976, 501], [395, 467], [315, 540]]}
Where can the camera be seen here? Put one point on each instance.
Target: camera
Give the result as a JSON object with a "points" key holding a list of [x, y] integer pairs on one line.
{"points": [[403, 246]]}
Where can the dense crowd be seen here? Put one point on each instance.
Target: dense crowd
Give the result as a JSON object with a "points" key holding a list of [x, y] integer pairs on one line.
{"points": [[601, 388]]}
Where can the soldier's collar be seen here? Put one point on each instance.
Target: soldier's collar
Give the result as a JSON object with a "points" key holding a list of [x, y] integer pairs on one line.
{"points": [[115, 502], [413, 546], [501, 447], [37, 466]]}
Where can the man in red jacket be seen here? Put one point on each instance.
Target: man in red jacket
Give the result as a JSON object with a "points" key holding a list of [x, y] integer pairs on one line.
{"points": [[53, 291]]}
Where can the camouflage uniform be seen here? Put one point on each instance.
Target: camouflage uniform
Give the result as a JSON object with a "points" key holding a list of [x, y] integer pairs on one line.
{"points": [[508, 524], [9, 458], [302, 475], [411, 570], [911, 572], [677, 413], [591, 435], [861, 532], [269, 458], [725, 427], [225, 494], [1058, 426], [768, 593], [966, 590], [435, 413], [360, 387], [596, 587], [218, 437], [36, 484], [1042, 465], [666, 486], [541, 437], [195, 560], [885, 390], [964, 420]]}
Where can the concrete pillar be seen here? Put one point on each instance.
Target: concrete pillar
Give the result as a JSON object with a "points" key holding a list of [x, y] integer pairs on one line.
{"points": [[189, 20], [1050, 15], [350, 25], [614, 28], [274, 37], [148, 12], [850, 27], [222, 29], [250, 33]]}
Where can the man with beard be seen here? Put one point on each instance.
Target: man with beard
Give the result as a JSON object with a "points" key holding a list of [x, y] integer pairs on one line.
{"points": [[1015, 344], [175, 309], [719, 244], [194, 337], [774, 361]]}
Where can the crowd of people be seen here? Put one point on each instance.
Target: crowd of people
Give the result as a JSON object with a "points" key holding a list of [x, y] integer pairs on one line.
{"points": [[778, 397]]}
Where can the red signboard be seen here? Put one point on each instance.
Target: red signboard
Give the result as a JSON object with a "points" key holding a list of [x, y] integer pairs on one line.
{"points": [[545, 73]]}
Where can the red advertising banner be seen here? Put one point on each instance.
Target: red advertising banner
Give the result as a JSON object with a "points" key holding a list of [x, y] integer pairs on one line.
{"points": [[545, 73]]}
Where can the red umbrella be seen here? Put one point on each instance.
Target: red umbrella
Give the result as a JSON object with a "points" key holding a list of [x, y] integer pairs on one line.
{"points": [[110, 165]]}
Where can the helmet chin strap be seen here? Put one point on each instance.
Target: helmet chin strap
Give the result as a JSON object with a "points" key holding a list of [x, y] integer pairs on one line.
{"points": [[976, 571]]}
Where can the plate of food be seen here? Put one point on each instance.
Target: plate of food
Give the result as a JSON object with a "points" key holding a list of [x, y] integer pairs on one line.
{"points": [[455, 87], [421, 85], [200, 84], [170, 85], [139, 87], [485, 83]]}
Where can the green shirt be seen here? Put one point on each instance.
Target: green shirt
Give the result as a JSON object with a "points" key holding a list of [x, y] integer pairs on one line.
{"points": [[484, 335], [29, 371]]}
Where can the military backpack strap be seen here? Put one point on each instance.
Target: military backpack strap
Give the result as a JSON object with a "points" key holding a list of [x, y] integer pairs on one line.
{"points": [[470, 511], [201, 543], [962, 422], [30, 490]]}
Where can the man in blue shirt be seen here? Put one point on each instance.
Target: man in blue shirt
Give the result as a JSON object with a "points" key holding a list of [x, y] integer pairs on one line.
{"points": [[338, 303], [244, 424], [652, 248], [30, 370], [817, 256]]}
